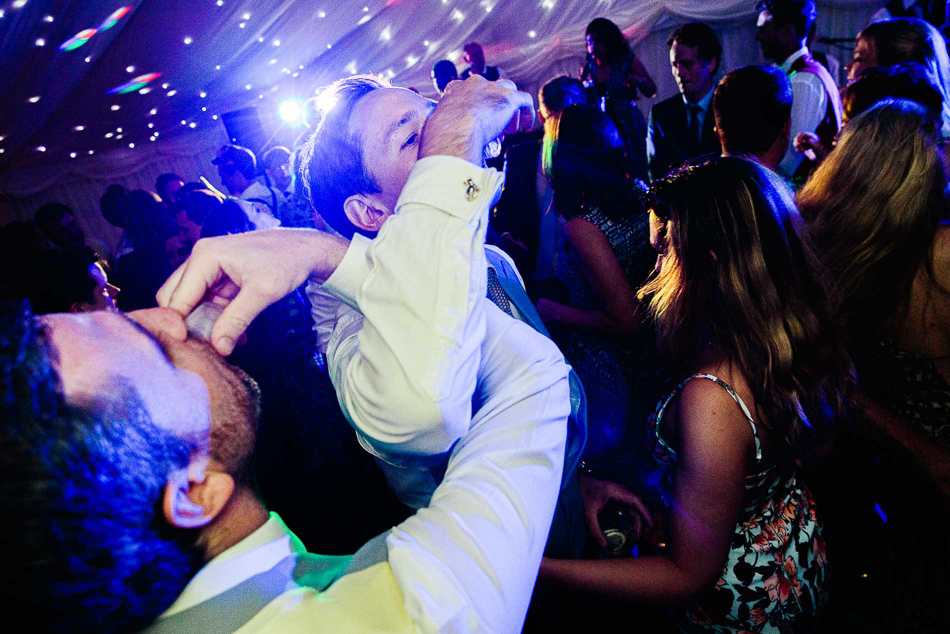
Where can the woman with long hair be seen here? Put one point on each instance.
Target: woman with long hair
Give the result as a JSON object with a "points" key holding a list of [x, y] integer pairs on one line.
{"points": [[905, 40], [881, 228], [613, 77], [605, 256], [743, 314]]}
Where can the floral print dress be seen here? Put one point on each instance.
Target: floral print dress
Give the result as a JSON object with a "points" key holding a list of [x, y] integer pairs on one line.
{"points": [[774, 578]]}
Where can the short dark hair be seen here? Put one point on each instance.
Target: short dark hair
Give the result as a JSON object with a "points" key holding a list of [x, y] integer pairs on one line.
{"points": [[161, 183], [233, 157], [277, 155], [109, 205], [227, 219], [50, 214], [702, 37], [900, 81], [86, 549], [332, 159], [148, 221], [752, 105], [800, 14], [561, 92], [197, 205], [609, 33], [53, 280], [444, 71]]}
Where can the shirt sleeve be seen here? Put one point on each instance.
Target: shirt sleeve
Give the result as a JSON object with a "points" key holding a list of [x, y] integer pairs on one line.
{"points": [[468, 562], [809, 103], [405, 368]]}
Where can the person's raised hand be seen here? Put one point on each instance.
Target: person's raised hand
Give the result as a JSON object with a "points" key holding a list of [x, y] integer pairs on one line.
{"points": [[248, 272], [597, 493], [473, 113], [810, 145]]}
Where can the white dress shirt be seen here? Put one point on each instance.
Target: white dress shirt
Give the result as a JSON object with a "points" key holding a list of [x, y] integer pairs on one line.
{"points": [[809, 104], [260, 214], [427, 345]]}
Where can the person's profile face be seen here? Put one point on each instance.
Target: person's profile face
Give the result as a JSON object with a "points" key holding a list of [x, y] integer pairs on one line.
{"points": [[388, 122], [691, 72], [767, 36], [595, 46], [98, 352], [104, 294], [865, 56]]}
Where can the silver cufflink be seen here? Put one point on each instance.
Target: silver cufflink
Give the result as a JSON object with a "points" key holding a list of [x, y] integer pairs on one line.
{"points": [[471, 192]]}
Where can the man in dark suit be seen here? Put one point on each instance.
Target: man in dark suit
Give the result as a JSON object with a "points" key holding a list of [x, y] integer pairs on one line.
{"points": [[525, 217], [682, 126]]}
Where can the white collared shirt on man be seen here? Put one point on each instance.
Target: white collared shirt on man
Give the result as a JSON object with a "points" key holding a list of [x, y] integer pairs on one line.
{"points": [[809, 105]]}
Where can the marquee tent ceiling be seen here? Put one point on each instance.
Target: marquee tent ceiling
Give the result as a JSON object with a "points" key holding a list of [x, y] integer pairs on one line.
{"points": [[216, 56]]}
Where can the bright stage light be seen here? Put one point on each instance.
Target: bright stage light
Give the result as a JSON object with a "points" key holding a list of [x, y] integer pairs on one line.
{"points": [[291, 112]]}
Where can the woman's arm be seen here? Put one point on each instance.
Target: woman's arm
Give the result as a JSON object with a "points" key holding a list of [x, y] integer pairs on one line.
{"points": [[714, 444], [639, 77], [619, 313]]}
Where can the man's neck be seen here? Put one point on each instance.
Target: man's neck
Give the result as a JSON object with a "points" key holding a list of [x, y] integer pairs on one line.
{"points": [[242, 515], [479, 70], [238, 187], [700, 93], [790, 50]]}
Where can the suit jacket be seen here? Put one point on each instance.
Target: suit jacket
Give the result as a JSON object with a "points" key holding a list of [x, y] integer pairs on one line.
{"points": [[669, 129]]}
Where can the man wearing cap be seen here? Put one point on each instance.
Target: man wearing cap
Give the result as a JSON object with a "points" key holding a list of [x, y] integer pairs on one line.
{"points": [[237, 167]]}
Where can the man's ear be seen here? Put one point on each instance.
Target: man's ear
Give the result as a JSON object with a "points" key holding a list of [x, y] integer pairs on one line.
{"points": [[80, 307], [366, 212], [191, 503]]}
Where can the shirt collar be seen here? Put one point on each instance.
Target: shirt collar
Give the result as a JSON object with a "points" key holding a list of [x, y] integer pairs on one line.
{"points": [[787, 64], [258, 552], [705, 101]]}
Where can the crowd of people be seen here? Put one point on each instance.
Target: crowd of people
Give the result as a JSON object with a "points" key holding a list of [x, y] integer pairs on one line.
{"points": [[690, 370]]}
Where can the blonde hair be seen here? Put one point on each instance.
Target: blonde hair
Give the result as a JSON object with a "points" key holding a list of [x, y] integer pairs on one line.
{"points": [[873, 208], [740, 283]]}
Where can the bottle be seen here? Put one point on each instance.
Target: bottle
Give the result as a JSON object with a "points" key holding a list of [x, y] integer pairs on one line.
{"points": [[618, 530]]}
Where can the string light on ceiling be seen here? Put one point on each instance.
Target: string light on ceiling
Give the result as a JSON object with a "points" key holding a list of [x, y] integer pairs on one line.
{"points": [[187, 41], [246, 16], [34, 99], [202, 94], [171, 93], [19, 4], [72, 155], [322, 14], [40, 42], [78, 128], [153, 112], [114, 107], [41, 148], [48, 18], [532, 34]]}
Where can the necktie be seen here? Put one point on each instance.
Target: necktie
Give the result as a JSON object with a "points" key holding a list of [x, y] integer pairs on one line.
{"points": [[694, 131], [496, 293]]}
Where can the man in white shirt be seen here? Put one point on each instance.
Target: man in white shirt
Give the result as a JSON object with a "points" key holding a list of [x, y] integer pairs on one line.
{"points": [[132, 423], [237, 167], [783, 27], [355, 166]]}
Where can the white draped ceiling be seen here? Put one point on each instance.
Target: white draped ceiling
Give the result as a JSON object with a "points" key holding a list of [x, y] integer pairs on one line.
{"points": [[284, 49]]}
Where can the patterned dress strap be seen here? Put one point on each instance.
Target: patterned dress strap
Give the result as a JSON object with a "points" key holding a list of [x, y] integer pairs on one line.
{"points": [[661, 409]]}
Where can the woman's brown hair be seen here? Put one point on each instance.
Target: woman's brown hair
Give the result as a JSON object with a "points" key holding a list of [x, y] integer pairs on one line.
{"points": [[740, 283], [873, 208]]}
